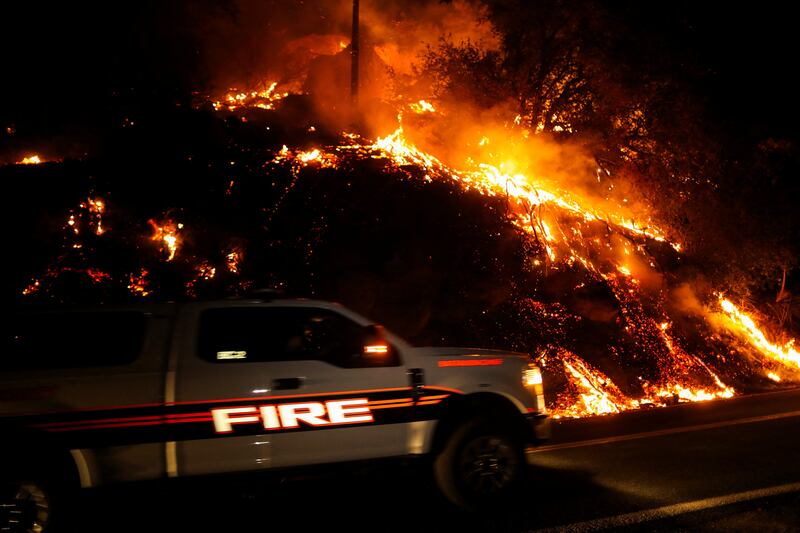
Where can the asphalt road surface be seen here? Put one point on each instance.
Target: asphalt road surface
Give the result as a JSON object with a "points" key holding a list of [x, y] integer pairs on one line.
{"points": [[730, 465]]}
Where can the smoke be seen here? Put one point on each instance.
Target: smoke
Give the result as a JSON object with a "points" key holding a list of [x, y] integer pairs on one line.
{"points": [[684, 299], [243, 41], [402, 31]]}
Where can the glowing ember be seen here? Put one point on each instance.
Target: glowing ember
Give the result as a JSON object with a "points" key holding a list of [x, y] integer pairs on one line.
{"points": [[774, 377], [299, 160], [264, 99], [89, 213], [232, 261], [92, 212], [205, 271], [167, 234], [677, 393], [32, 288], [97, 207], [137, 283], [71, 222], [95, 276]]}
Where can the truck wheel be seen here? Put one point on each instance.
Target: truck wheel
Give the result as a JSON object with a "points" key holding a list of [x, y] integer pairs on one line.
{"points": [[480, 465], [25, 507]]}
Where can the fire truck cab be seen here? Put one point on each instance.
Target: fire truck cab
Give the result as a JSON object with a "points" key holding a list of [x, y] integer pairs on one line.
{"points": [[104, 395]]}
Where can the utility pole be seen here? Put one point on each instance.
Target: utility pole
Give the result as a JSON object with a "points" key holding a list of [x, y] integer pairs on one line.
{"points": [[354, 49]]}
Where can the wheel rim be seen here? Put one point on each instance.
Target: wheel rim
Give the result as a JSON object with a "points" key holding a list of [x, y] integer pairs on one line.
{"points": [[488, 464], [28, 510]]}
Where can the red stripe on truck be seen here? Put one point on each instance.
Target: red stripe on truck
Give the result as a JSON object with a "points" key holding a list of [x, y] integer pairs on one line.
{"points": [[470, 362]]}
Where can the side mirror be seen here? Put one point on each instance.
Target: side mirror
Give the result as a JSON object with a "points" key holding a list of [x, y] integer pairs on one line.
{"points": [[374, 343], [372, 349]]}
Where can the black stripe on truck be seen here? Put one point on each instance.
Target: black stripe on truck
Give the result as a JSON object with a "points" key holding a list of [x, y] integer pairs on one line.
{"points": [[235, 416]]}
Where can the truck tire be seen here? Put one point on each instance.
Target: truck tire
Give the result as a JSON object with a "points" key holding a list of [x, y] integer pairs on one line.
{"points": [[34, 498], [25, 506], [480, 465]]}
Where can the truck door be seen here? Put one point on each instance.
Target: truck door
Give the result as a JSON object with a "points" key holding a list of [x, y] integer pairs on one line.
{"points": [[216, 366], [305, 386], [335, 402]]}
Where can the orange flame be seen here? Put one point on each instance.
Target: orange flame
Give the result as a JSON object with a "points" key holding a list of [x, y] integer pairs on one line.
{"points": [[264, 99], [311, 155], [492, 180], [421, 107], [167, 234], [744, 327], [137, 283], [232, 261], [596, 393], [95, 207]]}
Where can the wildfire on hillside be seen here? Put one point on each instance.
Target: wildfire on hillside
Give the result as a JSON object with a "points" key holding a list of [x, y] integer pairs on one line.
{"points": [[574, 219], [566, 234]]}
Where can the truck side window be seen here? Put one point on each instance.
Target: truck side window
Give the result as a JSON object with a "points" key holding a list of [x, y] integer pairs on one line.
{"points": [[76, 339], [259, 334]]}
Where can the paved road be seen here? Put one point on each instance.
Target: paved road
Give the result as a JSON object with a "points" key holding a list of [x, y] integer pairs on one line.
{"points": [[704, 456], [716, 466]]}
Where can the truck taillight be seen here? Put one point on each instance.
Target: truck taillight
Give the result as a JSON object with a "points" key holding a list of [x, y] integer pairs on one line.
{"points": [[532, 376], [532, 379]]}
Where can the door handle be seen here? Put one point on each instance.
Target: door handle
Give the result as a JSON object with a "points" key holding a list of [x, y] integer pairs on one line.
{"points": [[286, 383]]}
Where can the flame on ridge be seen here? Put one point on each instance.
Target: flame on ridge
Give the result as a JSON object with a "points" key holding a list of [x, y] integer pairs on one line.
{"points": [[492, 180], [30, 160], [744, 327]]}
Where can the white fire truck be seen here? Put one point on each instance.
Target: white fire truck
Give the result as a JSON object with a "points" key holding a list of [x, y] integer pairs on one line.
{"points": [[104, 395]]}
